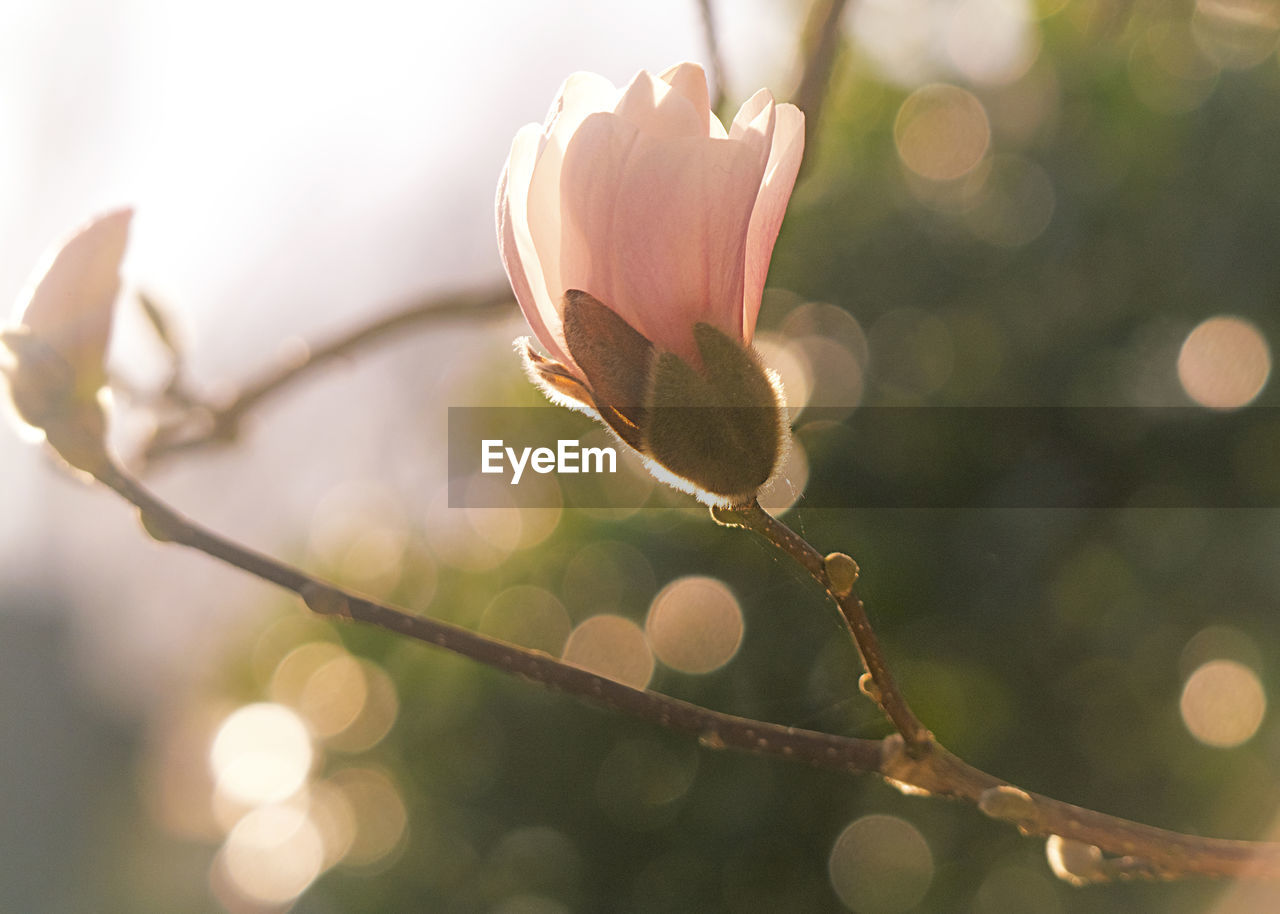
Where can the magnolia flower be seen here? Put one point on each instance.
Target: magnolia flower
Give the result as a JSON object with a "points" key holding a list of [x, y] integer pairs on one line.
{"points": [[637, 233], [59, 340]]}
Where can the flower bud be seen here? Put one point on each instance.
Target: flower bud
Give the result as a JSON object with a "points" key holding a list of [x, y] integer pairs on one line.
{"points": [[842, 573], [59, 344], [637, 232], [720, 429]]}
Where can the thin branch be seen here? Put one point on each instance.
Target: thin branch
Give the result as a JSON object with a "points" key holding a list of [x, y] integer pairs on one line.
{"points": [[818, 43], [200, 424], [1137, 851], [714, 61], [884, 689], [713, 729]]}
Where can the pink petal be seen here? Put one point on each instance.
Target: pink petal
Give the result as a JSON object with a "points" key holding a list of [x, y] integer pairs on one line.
{"points": [[766, 218], [689, 80], [660, 111], [582, 95], [593, 171], [666, 248], [755, 114], [515, 243], [70, 306]]}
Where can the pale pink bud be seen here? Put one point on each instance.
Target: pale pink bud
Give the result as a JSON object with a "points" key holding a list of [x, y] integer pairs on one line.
{"points": [[59, 343], [69, 302], [641, 198]]}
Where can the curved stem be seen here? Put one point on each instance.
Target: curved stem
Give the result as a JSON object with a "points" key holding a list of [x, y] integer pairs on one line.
{"points": [[884, 688]]}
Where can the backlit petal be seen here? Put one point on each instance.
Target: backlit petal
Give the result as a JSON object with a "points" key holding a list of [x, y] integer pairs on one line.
{"points": [[515, 244], [689, 80], [660, 111], [668, 247], [775, 191], [69, 306], [582, 95]]}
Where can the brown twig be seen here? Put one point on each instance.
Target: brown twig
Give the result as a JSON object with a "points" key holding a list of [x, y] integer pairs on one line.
{"points": [[884, 689], [1137, 851], [715, 62], [714, 729], [200, 424], [818, 43]]}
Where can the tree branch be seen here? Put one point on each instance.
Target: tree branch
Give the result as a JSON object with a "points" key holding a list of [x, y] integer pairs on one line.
{"points": [[713, 729], [714, 61], [199, 424], [1079, 837], [818, 43]]}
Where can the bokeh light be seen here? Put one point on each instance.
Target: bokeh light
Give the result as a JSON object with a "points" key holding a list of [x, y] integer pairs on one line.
{"points": [[1014, 204], [376, 718], [473, 538], [791, 366], [348, 702], [941, 132], [913, 41], [381, 822], [613, 647], [695, 624], [912, 351], [837, 374], [529, 616], [360, 530], [898, 36], [829, 322], [951, 198], [1168, 70], [281, 638], [296, 668], [1237, 34], [641, 782], [272, 855], [500, 526], [532, 861], [1218, 642], [992, 41], [788, 485], [261, 754], [607, 576], [334, 818], [880, 864], [1223, 703], [1224, 362], [832, 346]]}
